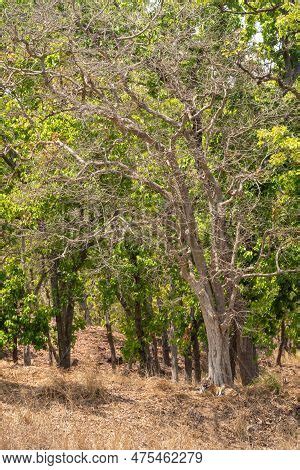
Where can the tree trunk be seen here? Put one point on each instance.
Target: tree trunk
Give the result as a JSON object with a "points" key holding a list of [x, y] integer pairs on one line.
{"points": [[64, 322], [52, 352], [245, 348], [27, 355], [174, 355], [156, 365], [188, 365], [86, 310], [50, 356], [15, 350], [247, 358], [233, 350], [196, 357], [219, 368], [165, 349], [282, 344], [144, 351], [140, 334], [195, 348], [110, 340], [64, 317]]}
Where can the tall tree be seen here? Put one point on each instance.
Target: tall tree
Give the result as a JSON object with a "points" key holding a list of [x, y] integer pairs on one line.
{"points": [[168, 82]]}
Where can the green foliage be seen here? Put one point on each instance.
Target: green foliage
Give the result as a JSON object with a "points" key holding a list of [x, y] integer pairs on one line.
{"points": [[66, 102], [21, 316]]}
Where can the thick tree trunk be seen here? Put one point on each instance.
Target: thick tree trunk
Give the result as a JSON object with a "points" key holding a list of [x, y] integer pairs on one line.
{"points": [[110, 340], [243, 353], [27, 355], [165, 349], [245, 349], [174, 355], [15, 350], [64, 322], [219, 368], [247, 358], [188, 365]]}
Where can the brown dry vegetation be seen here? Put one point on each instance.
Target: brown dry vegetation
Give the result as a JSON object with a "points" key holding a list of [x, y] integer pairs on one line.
{"points": [[90, 407]]}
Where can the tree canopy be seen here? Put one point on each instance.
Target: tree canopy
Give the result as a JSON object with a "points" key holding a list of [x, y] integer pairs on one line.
{"points": [[149, 175]]}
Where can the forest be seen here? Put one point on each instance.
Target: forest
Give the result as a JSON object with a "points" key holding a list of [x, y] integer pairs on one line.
{"points": [[149, 189]]}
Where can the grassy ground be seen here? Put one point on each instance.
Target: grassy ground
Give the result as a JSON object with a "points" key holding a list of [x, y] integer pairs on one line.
{"points": [[90, 407]]}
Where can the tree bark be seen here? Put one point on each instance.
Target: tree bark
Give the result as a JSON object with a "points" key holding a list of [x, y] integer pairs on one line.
{"points": [[233, 350], [188, 365], [282, 344], [64, 322], [195, 348], [219, 368], [64, 317], [165, 349], [174, 355], [140, 333], [52, 352], [196, 357], [247, 358], [144, 351], [15, 350], [50, 355], [86, 310], [27, 355], [245, 349], [156, 365], [110, 340]]}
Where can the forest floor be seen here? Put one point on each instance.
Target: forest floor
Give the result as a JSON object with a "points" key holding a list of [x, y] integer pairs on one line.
{"points": [[90, 407]]}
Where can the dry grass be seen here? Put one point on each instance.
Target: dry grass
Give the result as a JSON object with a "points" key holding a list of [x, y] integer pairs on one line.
{"points": [[92, 408]]}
